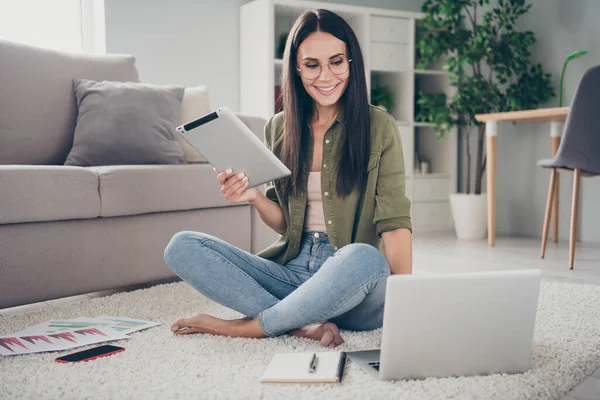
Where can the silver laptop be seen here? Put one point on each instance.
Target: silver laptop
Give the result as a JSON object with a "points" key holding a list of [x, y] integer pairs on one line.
{"points": [[455, 324]]}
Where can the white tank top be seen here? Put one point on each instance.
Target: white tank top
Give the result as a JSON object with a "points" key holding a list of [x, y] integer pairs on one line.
{"points": [[314, 220]]}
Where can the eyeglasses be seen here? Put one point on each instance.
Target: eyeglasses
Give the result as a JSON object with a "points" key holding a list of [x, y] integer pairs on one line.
{"points": [[338, 65]]}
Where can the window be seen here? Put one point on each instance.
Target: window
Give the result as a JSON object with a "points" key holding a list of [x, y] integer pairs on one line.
{"points": [[66, 25]]}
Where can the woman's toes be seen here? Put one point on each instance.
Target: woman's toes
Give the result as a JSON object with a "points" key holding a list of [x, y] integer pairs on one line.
{"points": [[327, 338], [176, 326], [186, 322], [185, 331]]}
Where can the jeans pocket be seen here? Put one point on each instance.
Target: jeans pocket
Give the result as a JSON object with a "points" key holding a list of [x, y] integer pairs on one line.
{"points": [[323, 252]]}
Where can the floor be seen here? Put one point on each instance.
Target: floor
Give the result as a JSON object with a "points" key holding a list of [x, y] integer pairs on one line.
{"points": [[441, 252]]}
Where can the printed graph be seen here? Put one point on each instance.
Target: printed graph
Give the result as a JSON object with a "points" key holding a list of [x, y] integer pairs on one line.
{"points": [[9, 342]]}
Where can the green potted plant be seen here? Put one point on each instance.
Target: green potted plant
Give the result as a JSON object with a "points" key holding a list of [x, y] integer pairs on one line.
{"points": [[382, 97], [432, 108], [424, 164], [489, 64]]}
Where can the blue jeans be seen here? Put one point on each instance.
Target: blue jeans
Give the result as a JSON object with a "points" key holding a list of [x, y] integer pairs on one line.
{"points": [[346, 287]]}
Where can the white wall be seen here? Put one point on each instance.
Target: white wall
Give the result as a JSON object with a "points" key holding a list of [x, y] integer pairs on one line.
{"points": [[560, 28], [191, 42], [183, 42]]}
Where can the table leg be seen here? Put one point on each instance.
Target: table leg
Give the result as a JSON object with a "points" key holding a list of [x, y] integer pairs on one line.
{"points": [[555, 134], [491, 133]]}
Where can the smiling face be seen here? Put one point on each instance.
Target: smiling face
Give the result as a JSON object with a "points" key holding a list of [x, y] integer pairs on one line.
{"points": [[315, 53]]}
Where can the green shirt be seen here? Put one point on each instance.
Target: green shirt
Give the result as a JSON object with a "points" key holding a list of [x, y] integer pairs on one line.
{"points": [[360, 217]]}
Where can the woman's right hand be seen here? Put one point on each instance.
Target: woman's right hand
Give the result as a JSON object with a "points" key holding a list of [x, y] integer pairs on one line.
{"points": [[235, 187]]}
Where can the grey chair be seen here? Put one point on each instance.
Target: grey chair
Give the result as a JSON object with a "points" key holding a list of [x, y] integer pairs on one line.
{"points": [[579, 150]]}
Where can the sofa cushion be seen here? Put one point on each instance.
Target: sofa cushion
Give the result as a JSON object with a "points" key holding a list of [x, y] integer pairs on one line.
{"points": [[140, 189], [120, 123], [37, 104], [196, 103], [31, 193]]}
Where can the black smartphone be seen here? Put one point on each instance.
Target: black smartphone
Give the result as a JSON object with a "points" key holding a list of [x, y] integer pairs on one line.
{"points": [[90, 354]]}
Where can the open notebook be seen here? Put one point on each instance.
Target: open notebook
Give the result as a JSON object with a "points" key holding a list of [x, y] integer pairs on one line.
{"points": [[294, 368]]}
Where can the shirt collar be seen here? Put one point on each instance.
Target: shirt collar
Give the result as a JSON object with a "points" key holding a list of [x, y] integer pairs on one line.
{"points": [[340, 116]]}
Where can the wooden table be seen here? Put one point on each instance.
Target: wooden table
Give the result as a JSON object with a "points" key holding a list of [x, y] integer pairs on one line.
{"points": [[556, 116]]}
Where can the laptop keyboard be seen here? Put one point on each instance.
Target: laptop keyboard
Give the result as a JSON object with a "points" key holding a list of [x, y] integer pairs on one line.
{"points": [[374, 365]]}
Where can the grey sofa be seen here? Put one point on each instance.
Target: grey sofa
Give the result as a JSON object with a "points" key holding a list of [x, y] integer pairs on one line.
{"points": [[71, 230]]}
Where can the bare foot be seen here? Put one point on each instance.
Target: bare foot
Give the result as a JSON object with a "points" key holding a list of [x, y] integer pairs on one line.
{"points": [[203, 323], [325, 332]]}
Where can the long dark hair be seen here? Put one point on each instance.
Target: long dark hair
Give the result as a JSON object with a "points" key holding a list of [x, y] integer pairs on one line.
{"points": [[298, 107]]}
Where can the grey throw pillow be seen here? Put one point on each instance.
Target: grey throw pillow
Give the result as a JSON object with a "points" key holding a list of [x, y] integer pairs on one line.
{"points": [[125, 123]]}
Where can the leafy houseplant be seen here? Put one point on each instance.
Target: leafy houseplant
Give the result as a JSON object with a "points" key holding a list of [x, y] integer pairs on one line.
{"points": [[432, 108], [424, 164], [488, 62], [570, 57], [382, 96]]}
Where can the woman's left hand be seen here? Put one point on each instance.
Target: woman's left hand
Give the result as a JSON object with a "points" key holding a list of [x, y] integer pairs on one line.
{"points": [[235, 187]]}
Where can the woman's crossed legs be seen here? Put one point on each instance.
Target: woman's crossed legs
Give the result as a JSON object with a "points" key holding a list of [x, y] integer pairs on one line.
{"points": [[348, 289]]}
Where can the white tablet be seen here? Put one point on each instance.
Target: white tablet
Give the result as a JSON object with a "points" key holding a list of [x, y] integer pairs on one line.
{"points": [[226, 142]]}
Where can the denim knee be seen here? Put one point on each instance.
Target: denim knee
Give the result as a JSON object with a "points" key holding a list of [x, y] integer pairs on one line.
{"points": [[176, 248], [366, 259]]}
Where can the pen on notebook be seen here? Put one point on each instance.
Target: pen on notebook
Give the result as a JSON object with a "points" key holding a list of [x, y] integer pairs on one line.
{"points": [[312, 366]]}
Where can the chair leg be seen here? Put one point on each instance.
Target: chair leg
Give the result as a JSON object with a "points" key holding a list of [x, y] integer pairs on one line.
{"points": [[553, 175], [574, 211]]}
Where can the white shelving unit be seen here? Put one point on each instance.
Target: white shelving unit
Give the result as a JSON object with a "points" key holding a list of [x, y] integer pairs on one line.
{"points": [[387, 40]]}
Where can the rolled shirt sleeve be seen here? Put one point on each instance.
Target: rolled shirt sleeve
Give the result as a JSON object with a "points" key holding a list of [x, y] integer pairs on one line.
{"points": [[392, 207]]}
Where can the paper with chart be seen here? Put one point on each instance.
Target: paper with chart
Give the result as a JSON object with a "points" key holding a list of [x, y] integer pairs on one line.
{"points": [[26, 344], [117, 324], [56, 335], [57, 326], [128, 325]]}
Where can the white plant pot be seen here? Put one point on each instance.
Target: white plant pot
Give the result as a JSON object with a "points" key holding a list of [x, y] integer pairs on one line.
{"points": [[470, 215]]}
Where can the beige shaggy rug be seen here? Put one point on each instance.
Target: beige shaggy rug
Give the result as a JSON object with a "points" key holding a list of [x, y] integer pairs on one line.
{"points": [[158, 365]]}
